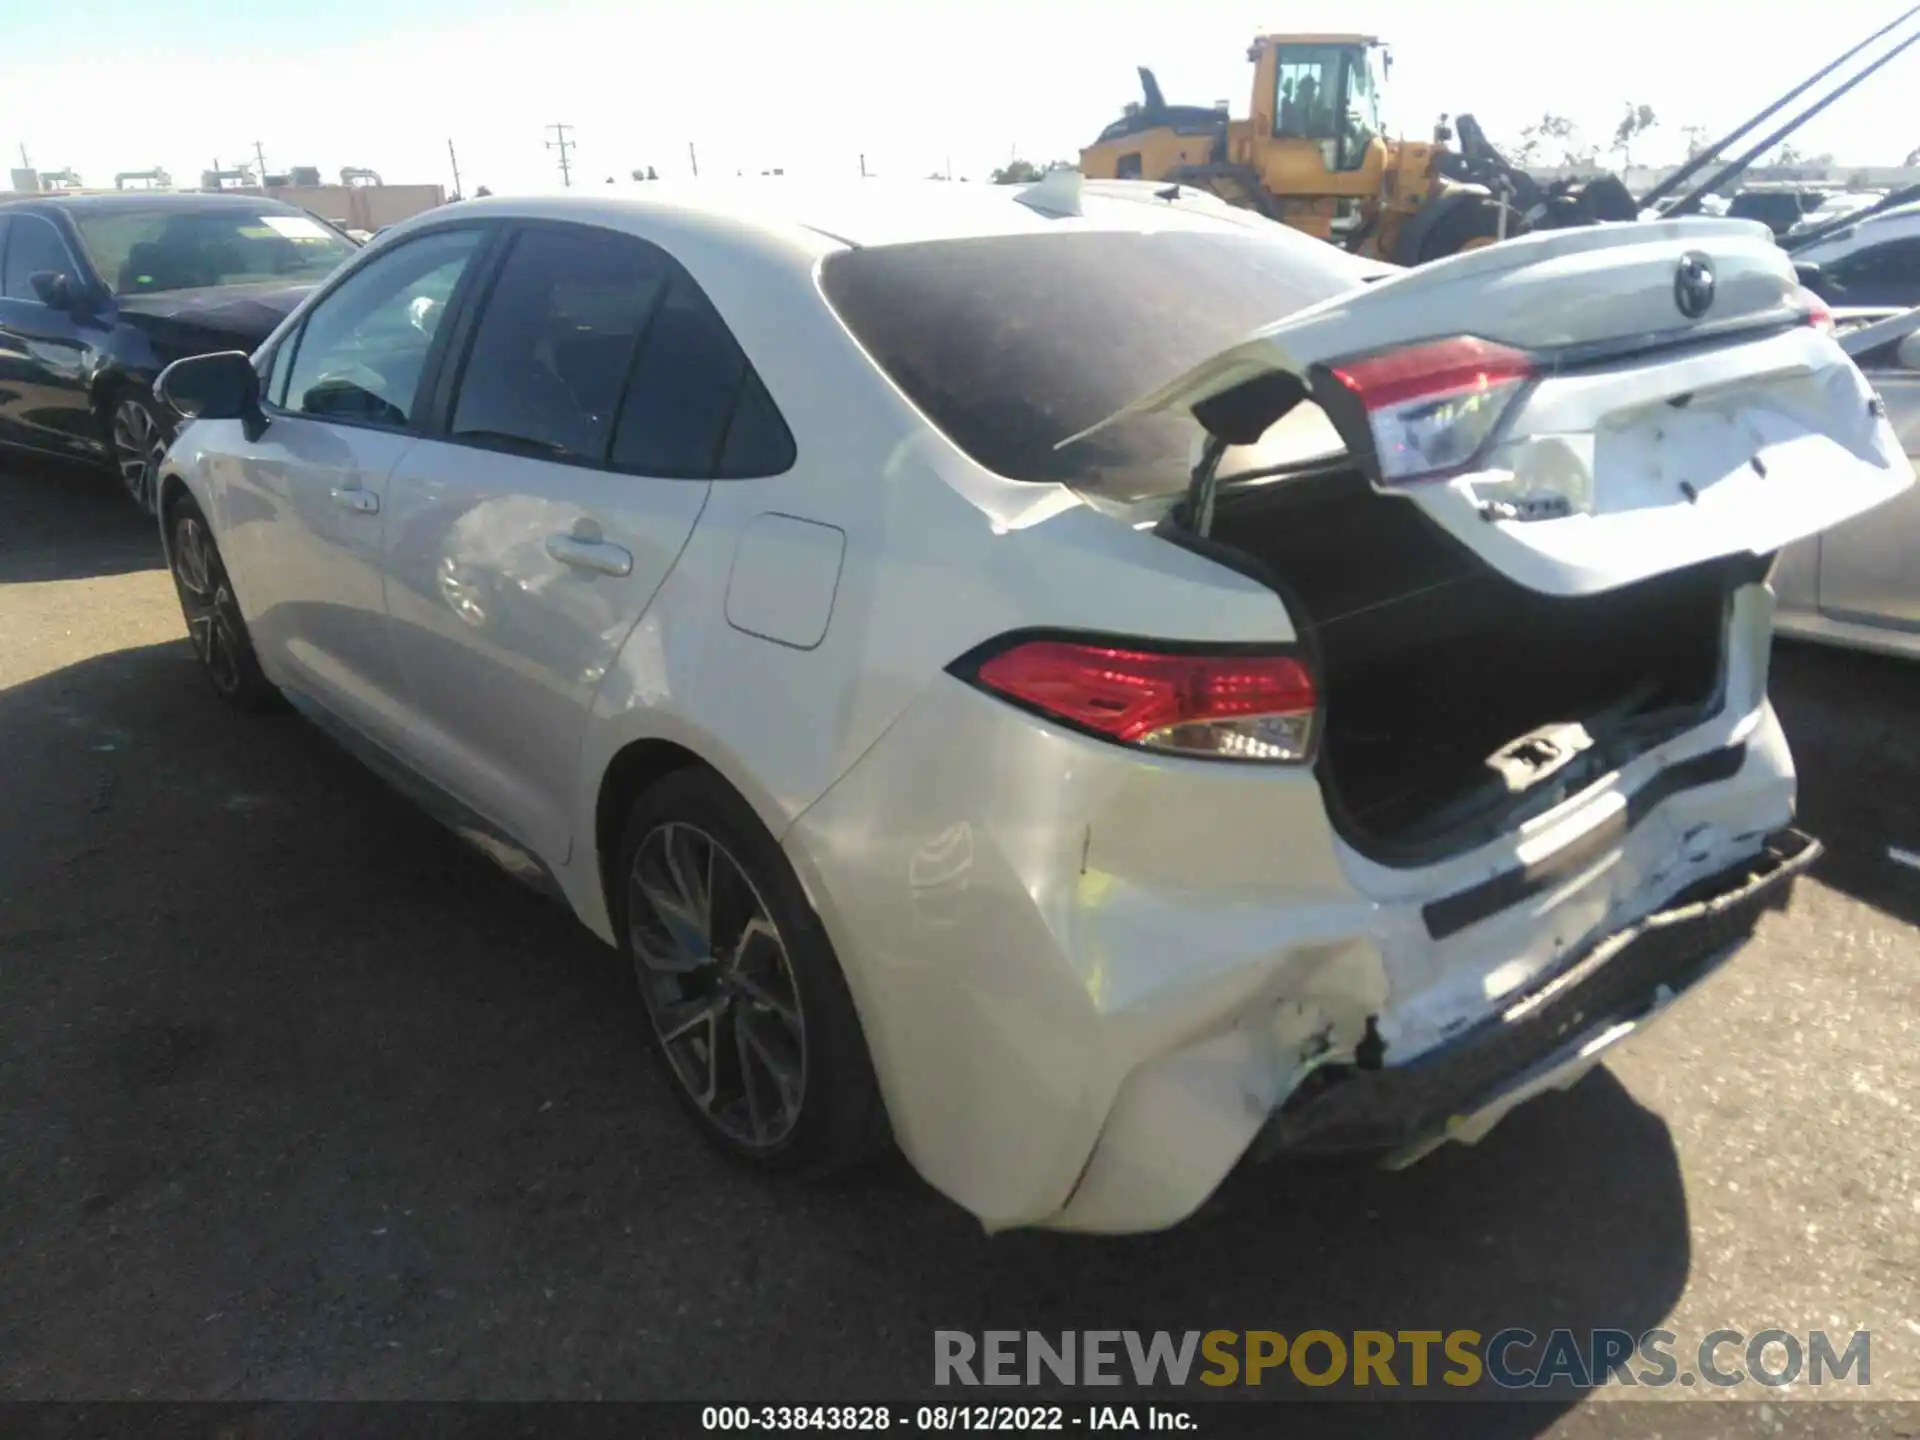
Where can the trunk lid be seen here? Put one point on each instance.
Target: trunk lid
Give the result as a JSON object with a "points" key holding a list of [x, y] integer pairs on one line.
{"points": [[1582, 408]]}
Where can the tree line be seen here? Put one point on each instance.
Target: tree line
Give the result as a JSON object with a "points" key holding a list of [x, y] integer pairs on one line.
{"points": [[1554, 140]]}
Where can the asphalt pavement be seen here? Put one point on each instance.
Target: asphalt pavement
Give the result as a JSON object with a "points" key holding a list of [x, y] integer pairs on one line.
{"points": [[299, 1098]]}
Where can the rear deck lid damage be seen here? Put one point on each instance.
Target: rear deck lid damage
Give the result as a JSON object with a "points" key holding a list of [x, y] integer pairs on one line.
{"points": [[1581, 408]]}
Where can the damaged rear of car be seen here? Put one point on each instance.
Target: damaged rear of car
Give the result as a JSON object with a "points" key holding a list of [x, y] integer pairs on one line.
{"points": [[1491, 781]]}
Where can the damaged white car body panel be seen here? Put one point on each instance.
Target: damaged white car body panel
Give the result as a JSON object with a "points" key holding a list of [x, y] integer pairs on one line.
{"points": [[1611, 463], [1220, 952]]}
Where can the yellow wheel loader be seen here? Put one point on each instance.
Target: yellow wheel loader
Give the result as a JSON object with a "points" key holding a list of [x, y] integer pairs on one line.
{"points": [[1312, 152]]}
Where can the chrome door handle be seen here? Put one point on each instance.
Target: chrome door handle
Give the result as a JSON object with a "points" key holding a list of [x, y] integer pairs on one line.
{"points": [[361, 502], [600, 555]]}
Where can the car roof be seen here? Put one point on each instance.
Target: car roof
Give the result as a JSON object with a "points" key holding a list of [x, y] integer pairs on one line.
{"points": [[862, 213], [109, 202]]}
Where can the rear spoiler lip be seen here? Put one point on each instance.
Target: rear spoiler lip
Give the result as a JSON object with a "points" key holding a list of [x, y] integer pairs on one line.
{"points": [[1267, 347], [1250, 364]]}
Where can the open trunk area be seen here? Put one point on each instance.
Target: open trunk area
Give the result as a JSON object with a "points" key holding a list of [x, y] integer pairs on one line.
{"points": [[1455, 701]]}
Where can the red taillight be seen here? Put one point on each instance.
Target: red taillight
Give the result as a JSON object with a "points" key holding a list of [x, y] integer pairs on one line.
{"points": [[1460, 366], [1430, 407], [1817, 313], [1246, 707]]}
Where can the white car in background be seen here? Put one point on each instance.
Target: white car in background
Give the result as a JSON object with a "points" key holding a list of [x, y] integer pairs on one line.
{"points": [[1872, 263], [995, 694], [1834, 207], [1858, 584]]}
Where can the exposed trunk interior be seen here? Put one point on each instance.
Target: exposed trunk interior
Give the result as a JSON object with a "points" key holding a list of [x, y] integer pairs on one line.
{"points": [[1455, 701]]}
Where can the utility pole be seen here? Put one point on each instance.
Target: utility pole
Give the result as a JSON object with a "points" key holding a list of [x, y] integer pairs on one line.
{"points": [[863, 167], [693, 160], [562, 144], [261, 156], [25, 163], [455, 159]]}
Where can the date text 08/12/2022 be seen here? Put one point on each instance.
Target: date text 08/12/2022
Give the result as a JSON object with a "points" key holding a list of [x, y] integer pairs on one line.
{"points": [[943, 1419]]}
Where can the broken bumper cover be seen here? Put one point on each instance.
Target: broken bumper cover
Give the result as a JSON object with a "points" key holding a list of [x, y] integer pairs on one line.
{"points": [[1543, 1039]]}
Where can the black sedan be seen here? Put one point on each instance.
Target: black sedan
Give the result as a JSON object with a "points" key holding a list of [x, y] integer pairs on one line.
{"points": [[99, 293]]}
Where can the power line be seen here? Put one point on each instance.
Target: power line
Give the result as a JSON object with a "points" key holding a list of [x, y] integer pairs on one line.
{"points": [[562, 144]]}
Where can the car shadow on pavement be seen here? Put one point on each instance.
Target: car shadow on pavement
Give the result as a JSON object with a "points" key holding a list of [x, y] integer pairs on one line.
{"points": [[1850, 719], [306, 1101], [70, 522]]}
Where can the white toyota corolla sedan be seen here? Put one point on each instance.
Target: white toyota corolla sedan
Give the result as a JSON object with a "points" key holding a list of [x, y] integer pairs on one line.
{"points": [[1080, 680]]}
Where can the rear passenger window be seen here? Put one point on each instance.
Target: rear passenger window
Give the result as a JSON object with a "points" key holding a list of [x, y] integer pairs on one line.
{"points": [[556, 342], [598, 347], [675, 419], [758, 441]]}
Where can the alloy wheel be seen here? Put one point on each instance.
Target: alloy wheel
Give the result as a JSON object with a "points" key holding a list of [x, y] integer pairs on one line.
{"points": [[718, 984], [213, 620], [139, 445]]}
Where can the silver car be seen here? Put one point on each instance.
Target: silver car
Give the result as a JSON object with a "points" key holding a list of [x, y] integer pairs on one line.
{"points": [[1858, 584]]}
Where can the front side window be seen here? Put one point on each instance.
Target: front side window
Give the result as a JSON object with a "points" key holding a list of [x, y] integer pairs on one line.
{"points": [[145, 251], [1307, 87], [33, 246], [361, 353], [553, 348]]}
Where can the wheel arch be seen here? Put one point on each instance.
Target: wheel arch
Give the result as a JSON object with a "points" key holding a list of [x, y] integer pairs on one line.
{"points": [[116, 381], [645, 760], [172, 489], [634, 768]]}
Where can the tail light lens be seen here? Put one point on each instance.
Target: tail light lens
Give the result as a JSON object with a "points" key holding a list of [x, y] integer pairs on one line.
{"points": [[1222, 706], [1816, 311], [1431, 407]]}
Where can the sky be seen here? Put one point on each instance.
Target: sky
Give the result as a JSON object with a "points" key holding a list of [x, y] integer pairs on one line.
{"points": [[915, 86]]}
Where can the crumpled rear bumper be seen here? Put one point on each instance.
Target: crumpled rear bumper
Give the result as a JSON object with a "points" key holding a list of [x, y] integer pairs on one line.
{"points": [[1546, 1038]]}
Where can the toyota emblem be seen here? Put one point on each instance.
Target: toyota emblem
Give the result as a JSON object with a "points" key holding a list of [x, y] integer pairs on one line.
{"points": [[1693, 285]]}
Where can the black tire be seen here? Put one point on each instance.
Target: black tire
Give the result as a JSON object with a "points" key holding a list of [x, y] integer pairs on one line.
{"points": [[1465, 225], [138, 433], [838, 1118], [214, 622]]}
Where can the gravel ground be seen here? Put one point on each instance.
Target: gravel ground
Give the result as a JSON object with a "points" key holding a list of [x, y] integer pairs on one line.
{"points": [[299, 1099]]}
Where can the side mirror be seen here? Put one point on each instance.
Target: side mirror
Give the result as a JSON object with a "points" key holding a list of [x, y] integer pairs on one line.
{"points": [[1908, 355], [56, 291], [223, 386]]}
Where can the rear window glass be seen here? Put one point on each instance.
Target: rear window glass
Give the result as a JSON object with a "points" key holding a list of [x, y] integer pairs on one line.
{"points": [[1009, 344]]}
